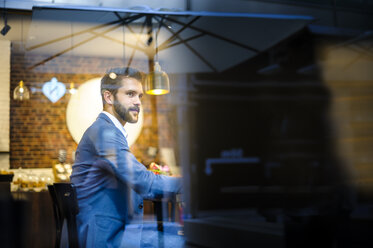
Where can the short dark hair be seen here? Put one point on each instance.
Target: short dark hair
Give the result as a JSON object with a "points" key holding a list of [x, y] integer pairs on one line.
{"points": [[112, 80]]}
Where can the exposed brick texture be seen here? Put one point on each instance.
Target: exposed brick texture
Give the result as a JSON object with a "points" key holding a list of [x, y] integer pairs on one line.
{"points": [[38, 127]]}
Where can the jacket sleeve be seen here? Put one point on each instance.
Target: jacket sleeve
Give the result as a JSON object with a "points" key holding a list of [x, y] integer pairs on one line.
{"points": [[114, 155]]}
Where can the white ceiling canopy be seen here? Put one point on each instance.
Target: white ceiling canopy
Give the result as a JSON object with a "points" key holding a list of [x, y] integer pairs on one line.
{"points": [[186, 42]]}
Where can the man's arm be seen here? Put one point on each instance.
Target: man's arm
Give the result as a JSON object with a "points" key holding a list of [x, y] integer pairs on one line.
{"points": [[115, 156]]}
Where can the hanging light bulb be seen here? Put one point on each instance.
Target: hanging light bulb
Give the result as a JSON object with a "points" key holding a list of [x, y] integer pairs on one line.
{"points": [[157, 82], [72, 89], [21, 92]]}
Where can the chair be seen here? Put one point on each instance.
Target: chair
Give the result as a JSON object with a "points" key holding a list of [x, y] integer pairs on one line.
{"points": [[66, 208], [57, 215]]}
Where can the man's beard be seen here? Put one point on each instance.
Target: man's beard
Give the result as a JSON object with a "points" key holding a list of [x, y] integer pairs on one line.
{"points": [[124, 113]]}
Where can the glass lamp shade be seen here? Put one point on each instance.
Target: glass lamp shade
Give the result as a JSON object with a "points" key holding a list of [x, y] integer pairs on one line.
{"points": [[157, 82], [21, 92], [72, 89]]}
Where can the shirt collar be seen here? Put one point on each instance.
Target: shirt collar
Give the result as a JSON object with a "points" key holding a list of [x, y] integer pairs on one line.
{"points": [[116, 123]]}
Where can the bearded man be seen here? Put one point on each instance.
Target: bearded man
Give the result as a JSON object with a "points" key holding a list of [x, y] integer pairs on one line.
{"points": [[109, 181]]}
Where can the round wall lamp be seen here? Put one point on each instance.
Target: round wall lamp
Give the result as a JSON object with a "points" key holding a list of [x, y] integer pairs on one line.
{"points": [[85, 105]]}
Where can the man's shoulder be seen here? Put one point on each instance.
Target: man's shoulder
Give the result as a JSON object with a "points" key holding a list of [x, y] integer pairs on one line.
{"points": [[103, 118], [103, 128], [98, 126], [102, 121]]}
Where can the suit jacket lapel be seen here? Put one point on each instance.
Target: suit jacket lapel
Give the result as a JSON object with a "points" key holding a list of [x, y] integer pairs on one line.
{"points": [[107, 119]]}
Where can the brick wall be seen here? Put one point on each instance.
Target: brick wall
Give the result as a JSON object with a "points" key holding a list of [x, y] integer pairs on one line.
{"points": [[38, 127]]}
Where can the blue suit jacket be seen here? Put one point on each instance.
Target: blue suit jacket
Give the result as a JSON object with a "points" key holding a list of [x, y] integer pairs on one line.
{"points": [[110, 185]]}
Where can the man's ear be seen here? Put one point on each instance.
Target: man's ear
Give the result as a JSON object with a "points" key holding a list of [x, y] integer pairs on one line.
{"points": [[108, 97]]}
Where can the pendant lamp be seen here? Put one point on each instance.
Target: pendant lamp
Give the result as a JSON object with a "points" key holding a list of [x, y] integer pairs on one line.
{"points": [[157, 82], [72, 89], [21, 92]]}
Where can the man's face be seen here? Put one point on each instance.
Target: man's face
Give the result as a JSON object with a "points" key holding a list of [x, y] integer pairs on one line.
{"points": [[127, 101]]}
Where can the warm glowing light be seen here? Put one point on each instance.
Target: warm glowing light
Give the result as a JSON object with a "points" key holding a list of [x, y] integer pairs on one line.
{"points": [[72, 89], [157, 92], [84, 107], [112, 75], [21, 92], [157, 82]]}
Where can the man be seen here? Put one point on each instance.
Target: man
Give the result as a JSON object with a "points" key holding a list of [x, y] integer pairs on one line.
{"points": [[110, 182]]}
